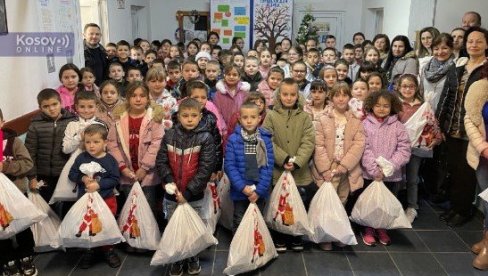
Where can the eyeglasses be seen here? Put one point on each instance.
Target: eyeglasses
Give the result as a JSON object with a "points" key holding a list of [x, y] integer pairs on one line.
{"points": [[411, 87]]}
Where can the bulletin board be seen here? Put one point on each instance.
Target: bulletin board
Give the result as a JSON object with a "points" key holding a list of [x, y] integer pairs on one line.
{"points": [[231, 18]]}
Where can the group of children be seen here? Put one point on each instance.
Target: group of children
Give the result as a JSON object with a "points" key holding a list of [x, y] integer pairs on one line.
{"points": [[177, 123]]}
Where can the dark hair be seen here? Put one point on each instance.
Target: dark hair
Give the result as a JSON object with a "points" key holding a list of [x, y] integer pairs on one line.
{"points": [[484, 71], [85, 95], [196, 84], [477, 15], [150, 52], [366, 43], [234, 48], [1, 115], [69, 66], [194, 44], [213, 33], [379, 75], [366, 67], [413, 78], [231, 67], [110, 44], [475, 29], [298, 50], [360, 80], [215, 47], [387, 41], [289, 81], [390, 57], [166, 41], [259, 41], [96, 128], [158, 60], [137, 48], [112, 64], [141, 41], [132, 87], [313, 50], [358, 34], [444, 37], [156, 43], [255, 95], [286, 38], [251, 58], [373, 98], [85, 70], [109, 82], [299, 62], [225, 53], [123, 43], [189, 62], [47, 94], [330, 36], [235, 39], [90, 25], [348, 46], [248, 105], [318, 84], [172, 65], [276, 69], [133, 68], [341, 61], [189, 103], [330, 49], [423, 52], [136, 41]]}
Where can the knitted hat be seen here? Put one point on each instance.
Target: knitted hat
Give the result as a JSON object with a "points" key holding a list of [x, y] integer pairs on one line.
{"points": [[203, 54]]}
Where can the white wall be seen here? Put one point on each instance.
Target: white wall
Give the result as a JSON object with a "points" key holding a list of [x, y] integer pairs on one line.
{"points": [[449, 13], [120, 20], [163, 16], [395, 20]]}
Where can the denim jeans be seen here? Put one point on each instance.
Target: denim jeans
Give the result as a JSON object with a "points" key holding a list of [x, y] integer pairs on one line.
{"points": [[240, 208], [412, 168], [482, 176]]}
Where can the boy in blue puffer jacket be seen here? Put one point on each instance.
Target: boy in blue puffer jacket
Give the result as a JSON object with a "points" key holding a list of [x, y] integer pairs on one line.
{"points": [[249, 162]]}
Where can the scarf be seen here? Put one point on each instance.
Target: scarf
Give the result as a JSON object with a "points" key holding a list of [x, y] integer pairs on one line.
{"points": [[258, 145], [435, 70]]}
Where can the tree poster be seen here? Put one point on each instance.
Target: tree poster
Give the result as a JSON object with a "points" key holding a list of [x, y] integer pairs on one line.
{"points": [[272, 20], [231, 18]]}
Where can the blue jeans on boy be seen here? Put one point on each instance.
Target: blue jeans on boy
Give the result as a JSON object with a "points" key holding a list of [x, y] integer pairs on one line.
{"points": [[482, 177], [412, 171]]}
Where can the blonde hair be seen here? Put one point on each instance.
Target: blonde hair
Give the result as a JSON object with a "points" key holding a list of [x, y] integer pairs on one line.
{"points": [[156, 74]]}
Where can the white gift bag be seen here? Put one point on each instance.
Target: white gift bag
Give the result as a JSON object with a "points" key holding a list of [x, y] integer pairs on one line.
{"points": [[66, 189], [46, 230], [420, 130], [377, 207], [226, 204], [484, 195], [137, 222], [88, 224], [185, 236], [328, 218], [17, 212], [252, 245], [211, 206], [285, 212]]}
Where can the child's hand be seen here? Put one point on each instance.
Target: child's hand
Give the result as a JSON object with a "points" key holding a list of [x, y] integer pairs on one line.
{"points": [[289, 166], [128, 173], [33, 183], [92, 186], [86, 179], [253, 197], [140, 174], [379, 176], [340, 170], [180, 198], [247, 190], [434, 143], [328, 176]]}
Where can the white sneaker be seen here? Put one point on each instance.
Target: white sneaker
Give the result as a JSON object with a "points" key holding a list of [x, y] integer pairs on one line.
{"points": [[411, 214]]}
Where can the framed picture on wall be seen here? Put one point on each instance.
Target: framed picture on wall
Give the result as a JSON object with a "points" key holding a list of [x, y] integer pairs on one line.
{"points": [[3, 18]]}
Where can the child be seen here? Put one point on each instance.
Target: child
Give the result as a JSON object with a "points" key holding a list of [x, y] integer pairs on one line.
{"points": [[373, 55], [329, 75], [225, 58], [104, 182], [202, 58], [189, 72], [111, 50], [149, 58], [86, 105], [44, 142], [252, 53], [116, 72], [174, 74], [69, 76], [251, 72], [348, 55], [175, 53], [109, 100], [264, 63], [133, 74], [134, 141], [360, 91], [272, 82], [339, 145], [411, 101], [317, 105], [123, 55], [156, 82], [212, 73], [358, 54], [189, 174], [145, 46], [205, 47], [312, 64], [342, 69], [256, 98], [88, 80], [375, 82], [136, 55], [386, 136], [249, 161], [216, 49], [329, 56], [298, 73], [293, 138], [231, 92], [238, 60], [16, 254], [212, 119]]}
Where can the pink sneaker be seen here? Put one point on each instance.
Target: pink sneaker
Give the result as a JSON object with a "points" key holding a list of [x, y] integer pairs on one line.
{"points": [[383, 237], [368, 236]]}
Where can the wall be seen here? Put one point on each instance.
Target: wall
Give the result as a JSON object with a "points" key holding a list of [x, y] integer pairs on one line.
{"points": [[449, 13], [120, 20], [395, 20]]}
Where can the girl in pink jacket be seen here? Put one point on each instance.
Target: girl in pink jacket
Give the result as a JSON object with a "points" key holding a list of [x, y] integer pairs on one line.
{"points": [[386, 136]]}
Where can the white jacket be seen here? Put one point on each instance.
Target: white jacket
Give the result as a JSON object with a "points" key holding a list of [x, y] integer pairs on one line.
{"points": [[72, 134]]}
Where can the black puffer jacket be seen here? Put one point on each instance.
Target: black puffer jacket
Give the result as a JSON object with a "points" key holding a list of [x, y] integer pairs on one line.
{"points": [[447, 102], [187, 158], [96, 59], [44, 142]]}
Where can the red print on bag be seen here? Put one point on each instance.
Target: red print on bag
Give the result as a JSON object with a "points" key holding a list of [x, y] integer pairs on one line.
{"points": [[5, 217], [284, 208], [215, 197], [90, 221], [131, 224], [259, 246]]}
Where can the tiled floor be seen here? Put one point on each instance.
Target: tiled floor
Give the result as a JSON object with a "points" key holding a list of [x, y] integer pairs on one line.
{"points": [[430, 248]]}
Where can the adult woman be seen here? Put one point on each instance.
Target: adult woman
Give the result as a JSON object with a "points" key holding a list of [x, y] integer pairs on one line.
{"points": [[451, 112], [427, 35], [382, 43], [401, 59], [476, 123], [458, 36], [213, 38]]}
